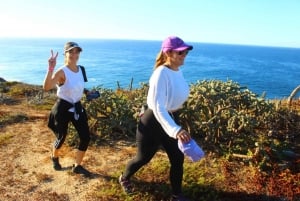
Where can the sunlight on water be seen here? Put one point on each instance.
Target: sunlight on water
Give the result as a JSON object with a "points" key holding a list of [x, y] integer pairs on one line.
{"points": [[261, 69]]}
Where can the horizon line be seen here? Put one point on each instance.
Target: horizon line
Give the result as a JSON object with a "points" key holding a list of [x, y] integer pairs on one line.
{"points": [[139, 39]]}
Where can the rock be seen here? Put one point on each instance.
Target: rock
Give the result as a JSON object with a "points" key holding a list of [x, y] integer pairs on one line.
{"points": [[2, 80]]}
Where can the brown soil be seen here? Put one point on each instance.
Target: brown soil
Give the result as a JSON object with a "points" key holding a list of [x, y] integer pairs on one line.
{"points": [[26, 169], [27, 174]]}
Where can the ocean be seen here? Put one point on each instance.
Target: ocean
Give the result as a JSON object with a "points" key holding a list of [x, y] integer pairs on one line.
{"points": [[271, 70]]}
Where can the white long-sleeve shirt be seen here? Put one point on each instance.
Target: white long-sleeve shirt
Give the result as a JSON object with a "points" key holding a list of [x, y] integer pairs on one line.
{"points": [[168, 90]]}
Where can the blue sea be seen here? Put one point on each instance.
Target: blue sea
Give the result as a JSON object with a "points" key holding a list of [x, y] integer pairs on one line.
{"points": [[271, 70]]}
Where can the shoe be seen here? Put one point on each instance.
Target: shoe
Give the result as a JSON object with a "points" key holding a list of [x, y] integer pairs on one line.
{"points": [[126, 185], [179, 198], [78, 169], [56, 164]]}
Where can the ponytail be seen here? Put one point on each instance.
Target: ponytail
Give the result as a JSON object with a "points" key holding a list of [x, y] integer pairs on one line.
{"points": [[160, 59]]}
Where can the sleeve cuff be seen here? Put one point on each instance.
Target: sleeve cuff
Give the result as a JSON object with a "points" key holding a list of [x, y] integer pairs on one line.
{"points": [[174, 134]]}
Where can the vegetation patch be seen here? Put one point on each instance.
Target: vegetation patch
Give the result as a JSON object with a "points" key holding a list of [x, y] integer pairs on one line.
{"points": [[225, 118], [6, 119], [251, 143], [5, 137]]}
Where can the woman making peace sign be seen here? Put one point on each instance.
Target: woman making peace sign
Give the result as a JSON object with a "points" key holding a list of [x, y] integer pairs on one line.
{"points": [[69, 82]]}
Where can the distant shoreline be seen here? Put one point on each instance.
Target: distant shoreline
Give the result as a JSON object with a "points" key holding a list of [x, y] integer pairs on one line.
{"points": [[40, 85], [64, 39]]}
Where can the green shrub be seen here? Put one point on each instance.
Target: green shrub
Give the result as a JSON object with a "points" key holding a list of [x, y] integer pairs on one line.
{"points": [[114, 115], [221, 113], [223, 117], [12, 118]]}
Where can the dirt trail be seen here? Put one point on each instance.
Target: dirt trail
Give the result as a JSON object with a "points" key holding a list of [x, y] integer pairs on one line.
{"points": [[26, 169]]}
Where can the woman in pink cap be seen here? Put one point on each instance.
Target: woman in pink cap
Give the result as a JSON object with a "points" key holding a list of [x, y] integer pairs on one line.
{"points": [[159, 126]]}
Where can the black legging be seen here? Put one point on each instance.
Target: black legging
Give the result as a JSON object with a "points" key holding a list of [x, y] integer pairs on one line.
{"points": [[81, 126], [149, 136]]}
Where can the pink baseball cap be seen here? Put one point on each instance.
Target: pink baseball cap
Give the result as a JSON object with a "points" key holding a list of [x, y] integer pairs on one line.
{"points": [[175, 43]]}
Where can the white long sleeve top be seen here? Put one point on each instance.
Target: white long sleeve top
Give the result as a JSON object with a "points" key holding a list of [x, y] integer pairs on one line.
{"points": [[168, 90]]}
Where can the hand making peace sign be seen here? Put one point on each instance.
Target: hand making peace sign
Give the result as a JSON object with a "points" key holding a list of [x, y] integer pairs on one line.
{"points": [[52, 61]]}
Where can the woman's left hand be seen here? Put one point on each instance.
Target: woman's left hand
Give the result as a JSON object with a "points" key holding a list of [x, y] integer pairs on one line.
{"points": [[184, 136]]}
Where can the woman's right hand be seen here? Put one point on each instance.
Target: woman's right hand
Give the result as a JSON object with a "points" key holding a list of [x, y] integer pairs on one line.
{"points": [[183, 136], [52, 61]]}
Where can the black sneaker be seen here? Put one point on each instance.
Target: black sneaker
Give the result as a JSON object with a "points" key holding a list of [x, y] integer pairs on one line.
{"points": [[126, 185], [81, 170], [179, 198], [56, 164]]}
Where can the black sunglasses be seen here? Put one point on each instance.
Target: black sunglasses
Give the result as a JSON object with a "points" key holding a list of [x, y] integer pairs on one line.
{"points": [[185, 52]]}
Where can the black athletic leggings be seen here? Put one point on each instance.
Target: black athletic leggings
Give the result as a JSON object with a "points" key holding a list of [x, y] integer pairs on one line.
{"points": [[149, 136], [81, 126]]}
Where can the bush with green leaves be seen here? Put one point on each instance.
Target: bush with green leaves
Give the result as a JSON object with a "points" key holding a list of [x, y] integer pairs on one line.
{"points": [[222, 112], [227, 118], [114, 115], [223, 116]]}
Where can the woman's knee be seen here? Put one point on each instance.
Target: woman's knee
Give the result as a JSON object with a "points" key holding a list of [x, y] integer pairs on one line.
{"points": [[84, 142]]}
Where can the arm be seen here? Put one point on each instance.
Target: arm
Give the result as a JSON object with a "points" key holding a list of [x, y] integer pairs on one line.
{"points": [[157, 100], [51, 79]]}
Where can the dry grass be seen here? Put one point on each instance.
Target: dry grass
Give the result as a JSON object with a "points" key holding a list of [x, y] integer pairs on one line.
{"points": [[26, 169], [27, 173]]}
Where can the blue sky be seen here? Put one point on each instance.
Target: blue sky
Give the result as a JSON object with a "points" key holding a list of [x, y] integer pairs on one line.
{"points": [[252, 22]]}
